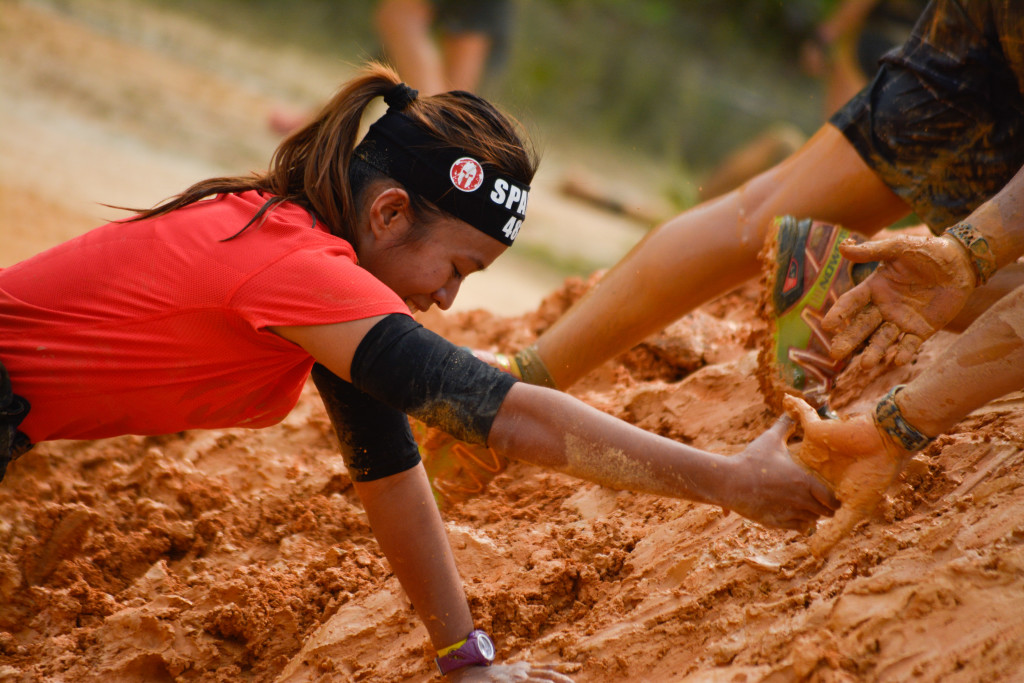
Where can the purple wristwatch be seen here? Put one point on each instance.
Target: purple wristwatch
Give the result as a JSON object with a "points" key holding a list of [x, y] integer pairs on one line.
{"points": [[476, 650]]}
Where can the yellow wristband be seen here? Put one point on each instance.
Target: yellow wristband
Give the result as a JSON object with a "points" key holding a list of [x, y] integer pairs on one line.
{"points": [[452, 648]]}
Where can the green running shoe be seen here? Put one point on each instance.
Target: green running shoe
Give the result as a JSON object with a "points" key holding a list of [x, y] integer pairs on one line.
{"points": [[803, 275]]}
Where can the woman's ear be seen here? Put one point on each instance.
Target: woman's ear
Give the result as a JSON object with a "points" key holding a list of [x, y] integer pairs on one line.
{"points": [[390, 214]]}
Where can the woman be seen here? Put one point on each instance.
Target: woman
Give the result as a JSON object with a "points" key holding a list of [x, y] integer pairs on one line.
{"points": [[210, 310]]}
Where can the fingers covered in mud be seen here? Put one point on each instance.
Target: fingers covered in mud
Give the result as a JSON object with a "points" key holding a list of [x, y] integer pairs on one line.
{"points": [[771, 488], [921, 284], [850, 455]]}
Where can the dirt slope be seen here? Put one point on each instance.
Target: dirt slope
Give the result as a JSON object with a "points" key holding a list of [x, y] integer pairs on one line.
{"points": [[244, 556]]}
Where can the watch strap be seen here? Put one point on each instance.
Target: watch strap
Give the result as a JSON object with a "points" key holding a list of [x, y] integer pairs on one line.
{"points": [[476, 649]]}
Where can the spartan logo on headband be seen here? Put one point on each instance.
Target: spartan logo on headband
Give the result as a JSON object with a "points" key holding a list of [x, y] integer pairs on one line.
{"points": [[467, 174], [449, 177]]}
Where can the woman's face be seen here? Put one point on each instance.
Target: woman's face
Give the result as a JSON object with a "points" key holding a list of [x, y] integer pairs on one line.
{"points": [[424, 264]]}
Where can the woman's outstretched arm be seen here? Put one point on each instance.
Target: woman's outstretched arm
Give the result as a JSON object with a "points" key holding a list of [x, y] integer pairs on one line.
{"points": [[554, 430]]}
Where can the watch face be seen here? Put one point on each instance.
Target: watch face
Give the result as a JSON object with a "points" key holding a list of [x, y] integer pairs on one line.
{"points": [[485, 646]]}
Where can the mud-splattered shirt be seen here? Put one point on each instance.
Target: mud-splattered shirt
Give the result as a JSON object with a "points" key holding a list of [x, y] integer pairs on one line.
{"points": [[942, 123]]}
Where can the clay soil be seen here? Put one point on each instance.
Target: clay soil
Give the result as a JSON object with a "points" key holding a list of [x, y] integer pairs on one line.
{"points": [[244, 555]]}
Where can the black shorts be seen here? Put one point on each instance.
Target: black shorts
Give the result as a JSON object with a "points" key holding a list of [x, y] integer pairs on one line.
{"points": [[493, 18], [942, 122]]}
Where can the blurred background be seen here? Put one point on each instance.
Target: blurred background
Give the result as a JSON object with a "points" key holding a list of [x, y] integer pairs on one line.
{"points": [[683, 81], [634, 105]]}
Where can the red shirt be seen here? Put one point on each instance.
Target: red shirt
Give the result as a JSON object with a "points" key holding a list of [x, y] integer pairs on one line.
{"points": [[157, 326]]}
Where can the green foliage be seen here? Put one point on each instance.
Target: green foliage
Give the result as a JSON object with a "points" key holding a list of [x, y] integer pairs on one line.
{"points": [[687, 82]]}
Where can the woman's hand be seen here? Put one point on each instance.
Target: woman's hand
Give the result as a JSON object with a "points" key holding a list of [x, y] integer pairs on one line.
{"points": [[919, 287], [771, 489], [507, 673], [850, 454]]}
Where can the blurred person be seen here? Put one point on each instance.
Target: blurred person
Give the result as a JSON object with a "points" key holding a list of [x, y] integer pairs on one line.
{"points": [[435, 45], [439, 45], [845, 48], [212, 309]]}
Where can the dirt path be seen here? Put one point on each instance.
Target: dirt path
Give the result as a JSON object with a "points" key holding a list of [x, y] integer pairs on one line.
{"points": [[245, 556]]}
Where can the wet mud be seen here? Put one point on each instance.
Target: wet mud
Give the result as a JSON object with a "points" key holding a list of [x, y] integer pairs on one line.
{"points": [[240, 555]]}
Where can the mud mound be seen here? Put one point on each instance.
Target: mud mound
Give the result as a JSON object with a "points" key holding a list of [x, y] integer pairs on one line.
{"points": [[244, 555]]}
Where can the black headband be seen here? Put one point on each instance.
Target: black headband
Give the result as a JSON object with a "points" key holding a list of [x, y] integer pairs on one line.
{"points": [[449, 177]]}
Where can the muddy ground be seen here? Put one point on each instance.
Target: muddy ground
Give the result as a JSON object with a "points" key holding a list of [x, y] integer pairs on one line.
{"points": [[242, 555]]}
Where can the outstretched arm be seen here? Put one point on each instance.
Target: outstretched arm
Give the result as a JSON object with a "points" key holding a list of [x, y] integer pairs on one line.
{"points": [[411, 369], [924, 282], [554, 430]]}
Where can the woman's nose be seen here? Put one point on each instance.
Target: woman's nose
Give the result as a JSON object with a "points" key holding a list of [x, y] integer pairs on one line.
{"points": [[445, 297]]}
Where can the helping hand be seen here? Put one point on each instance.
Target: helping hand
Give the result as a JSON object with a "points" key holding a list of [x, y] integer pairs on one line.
{"points": [[773, 490], [919, 286], [508, 673], [851, 455]]}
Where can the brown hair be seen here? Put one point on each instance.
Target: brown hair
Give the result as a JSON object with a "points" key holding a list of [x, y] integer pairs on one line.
{"points": [[314, 166]]}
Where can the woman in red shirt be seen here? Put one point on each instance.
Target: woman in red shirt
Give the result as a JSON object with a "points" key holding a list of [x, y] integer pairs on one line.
{"points": [[212, 309]]}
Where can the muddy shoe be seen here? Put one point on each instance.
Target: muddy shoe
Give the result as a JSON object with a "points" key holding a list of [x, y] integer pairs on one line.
{"points": [[803, 274], [458, 470]]}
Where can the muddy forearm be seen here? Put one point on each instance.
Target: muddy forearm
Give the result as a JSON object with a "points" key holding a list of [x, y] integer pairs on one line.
{"points": [[409, 529], [1001, 221], [984, 363], [551, 429]]}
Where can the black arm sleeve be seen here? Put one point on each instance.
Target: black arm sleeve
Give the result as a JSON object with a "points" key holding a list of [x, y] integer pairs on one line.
{"points": [[375, 440], [407, 367]]}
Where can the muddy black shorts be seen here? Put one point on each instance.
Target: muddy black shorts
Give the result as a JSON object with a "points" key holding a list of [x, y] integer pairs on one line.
{"points": [[942, 122]]}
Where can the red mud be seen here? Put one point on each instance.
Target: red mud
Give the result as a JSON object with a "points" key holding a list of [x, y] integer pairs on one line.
{"points": [[242, 555]]}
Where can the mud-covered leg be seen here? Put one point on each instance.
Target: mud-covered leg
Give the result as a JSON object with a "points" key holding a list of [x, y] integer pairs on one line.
{"points": [[711, 248]]}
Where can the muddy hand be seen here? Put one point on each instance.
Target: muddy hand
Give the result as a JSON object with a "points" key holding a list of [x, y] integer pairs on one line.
{"points": [[771, 489], [508, 673], [849, 454], [919, 286]]}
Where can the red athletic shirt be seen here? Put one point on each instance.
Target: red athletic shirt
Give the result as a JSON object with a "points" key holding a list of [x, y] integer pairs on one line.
{"points": [[157, 326]]}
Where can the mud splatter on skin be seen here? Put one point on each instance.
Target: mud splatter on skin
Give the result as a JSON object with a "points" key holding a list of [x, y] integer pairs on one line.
{"points": [[607, 465], [239, 556], [1004, 341]]}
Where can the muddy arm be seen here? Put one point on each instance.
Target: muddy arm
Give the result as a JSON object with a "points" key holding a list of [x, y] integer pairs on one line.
{"points": [[924, 283], [984, 363], [554, 430]]}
